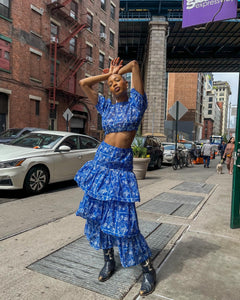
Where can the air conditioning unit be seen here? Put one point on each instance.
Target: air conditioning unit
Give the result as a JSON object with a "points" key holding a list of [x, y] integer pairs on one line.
{"points": [[53, 39], [103, 36], [89, 58]]}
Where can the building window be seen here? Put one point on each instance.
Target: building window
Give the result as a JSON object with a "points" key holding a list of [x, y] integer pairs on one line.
{"points": [[72, 46], [89, 53], [101, 61], [54, 32], [209, 105], [209, 111], [102, 28], [5, 8], [210, 99], [90, 21], [101, 88], [109, 62], [37, 108], [111, 39], [103, 4], [74, 10], [112, 11], [4, 55], [102, 32]]}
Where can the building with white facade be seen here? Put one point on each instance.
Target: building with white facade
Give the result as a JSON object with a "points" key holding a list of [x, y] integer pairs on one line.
{"points": [[223, 91], [211, 111]]}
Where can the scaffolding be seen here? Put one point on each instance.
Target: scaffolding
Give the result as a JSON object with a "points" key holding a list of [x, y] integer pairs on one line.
{"points": [[60, 10]]}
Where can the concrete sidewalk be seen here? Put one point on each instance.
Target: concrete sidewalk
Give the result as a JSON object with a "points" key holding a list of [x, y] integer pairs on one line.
{"points": [[201, 261]]}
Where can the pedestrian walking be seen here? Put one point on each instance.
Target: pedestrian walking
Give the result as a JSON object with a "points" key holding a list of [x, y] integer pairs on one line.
{"points": [[108, 181], [228, 154], [221, 149], [206, 153]]}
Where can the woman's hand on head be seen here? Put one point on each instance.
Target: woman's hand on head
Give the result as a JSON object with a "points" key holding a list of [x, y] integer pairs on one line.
{"points": [[116, 65]]}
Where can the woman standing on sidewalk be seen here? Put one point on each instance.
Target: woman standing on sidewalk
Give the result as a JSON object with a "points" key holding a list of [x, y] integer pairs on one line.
{"points": [[108, 181], [228, 154]]}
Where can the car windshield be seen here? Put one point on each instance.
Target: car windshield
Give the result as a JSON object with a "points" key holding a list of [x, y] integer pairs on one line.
{"points": [[10, 133], [37, 141], [169, 147]]}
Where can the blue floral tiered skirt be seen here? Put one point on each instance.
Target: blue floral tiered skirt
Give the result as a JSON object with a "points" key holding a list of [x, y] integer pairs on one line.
{"points": [[108, 204]]}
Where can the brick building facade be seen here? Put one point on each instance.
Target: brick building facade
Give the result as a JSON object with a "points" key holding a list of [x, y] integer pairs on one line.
{"points": [[188, 89], [46, 47]]}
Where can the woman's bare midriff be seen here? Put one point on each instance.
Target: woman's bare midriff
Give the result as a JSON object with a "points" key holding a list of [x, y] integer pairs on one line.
{"points": [[120, 139]]}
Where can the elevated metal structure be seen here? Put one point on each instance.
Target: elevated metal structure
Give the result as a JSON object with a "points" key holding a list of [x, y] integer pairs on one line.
{"points": [[214, 48]]}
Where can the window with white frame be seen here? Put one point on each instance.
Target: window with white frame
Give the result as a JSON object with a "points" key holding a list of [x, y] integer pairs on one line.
{"points": [[102, 28], [112, 11], [103, 4], [101, 60], [72, 45], [89, 50], [74, 10], [111, 41], [90, 21]]}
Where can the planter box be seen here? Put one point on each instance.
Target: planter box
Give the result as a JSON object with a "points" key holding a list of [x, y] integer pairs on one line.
{"points": [[140, 166]]}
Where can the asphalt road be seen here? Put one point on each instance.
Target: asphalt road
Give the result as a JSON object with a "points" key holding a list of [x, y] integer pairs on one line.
{"points": [[21, 213]]}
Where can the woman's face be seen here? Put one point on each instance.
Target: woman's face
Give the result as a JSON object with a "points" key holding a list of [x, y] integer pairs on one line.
{"points": [[117, 84], [232, 139]]}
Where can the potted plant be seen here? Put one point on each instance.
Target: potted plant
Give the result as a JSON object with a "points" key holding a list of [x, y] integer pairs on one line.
{"points": [[140, 158]]}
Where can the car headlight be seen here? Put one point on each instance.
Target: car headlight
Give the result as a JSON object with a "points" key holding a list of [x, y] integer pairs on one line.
{"points": [[12, 163]]}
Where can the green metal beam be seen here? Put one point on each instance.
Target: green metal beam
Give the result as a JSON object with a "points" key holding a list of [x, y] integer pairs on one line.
{"points": [[235, 216]]}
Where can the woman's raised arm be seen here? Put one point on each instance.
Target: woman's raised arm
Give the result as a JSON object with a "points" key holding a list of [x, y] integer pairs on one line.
{"points": [[87, 83], [133, 67]]}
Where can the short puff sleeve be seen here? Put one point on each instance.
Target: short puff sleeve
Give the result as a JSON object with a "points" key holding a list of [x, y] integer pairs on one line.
{"points": [[102, 104], [138, 100]]}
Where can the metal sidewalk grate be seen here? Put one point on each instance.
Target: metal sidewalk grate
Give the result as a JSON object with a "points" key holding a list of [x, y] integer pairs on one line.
{"points": [[194, 187], [172, 204], [79, 264]]}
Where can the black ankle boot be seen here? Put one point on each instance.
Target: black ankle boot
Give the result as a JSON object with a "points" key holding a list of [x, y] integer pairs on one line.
{"points": [[109, 266], [149, 278]]}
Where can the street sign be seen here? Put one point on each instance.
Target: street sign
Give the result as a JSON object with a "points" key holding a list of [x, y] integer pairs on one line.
{"points": [[181, 110], [67, 114]]}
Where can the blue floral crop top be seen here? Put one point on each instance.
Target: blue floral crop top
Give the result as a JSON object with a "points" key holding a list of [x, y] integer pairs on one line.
{"points": [[122, 116]]}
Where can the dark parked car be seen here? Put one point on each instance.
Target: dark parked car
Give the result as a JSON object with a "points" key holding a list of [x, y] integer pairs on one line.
{"points": [[14, 133], [154, 149]]}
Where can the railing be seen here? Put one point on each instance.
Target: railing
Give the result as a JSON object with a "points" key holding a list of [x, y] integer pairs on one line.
{"points": [[140, 15]]}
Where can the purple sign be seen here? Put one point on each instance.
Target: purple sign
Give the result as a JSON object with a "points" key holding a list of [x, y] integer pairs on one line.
{"points": [[197, 12]]}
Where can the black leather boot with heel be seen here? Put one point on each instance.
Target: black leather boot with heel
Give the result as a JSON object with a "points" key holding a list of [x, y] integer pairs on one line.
{"points": [[109, 265], [149, 278]]}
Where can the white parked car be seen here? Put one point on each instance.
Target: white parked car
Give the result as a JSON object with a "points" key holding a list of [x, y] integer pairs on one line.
{"points": [[169, 151], [42, 157]]}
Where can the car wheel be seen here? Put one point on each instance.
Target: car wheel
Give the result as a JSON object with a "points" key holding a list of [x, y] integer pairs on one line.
{"points": [[159, 163], [36, 180]]}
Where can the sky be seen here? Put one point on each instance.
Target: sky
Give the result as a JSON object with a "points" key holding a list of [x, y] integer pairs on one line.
{"points": [[232, 79]]}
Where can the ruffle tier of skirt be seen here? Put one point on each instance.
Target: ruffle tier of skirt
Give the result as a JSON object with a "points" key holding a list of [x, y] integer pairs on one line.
{"points": [[132, 250]]}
